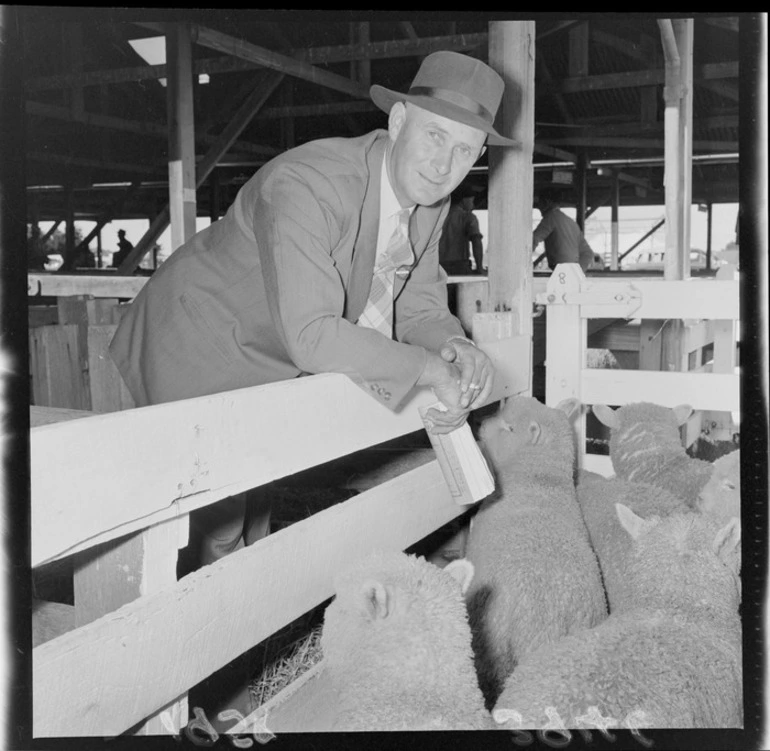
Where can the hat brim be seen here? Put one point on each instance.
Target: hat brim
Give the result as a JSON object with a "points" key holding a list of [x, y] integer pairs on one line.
{"points": [[385, 99]]}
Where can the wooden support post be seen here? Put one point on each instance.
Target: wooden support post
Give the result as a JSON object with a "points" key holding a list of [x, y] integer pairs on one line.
{"points": [[511, 54], [118, 572], [709, 232], [287, 123], [565, 345], [677, 45], [650, 335], [582, 191], [360, 70], [69, 203], [214, 208], [181, 134], [615, 247]]}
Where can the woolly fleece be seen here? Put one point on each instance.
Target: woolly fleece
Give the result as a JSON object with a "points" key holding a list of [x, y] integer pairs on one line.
{"points": [[397, 647], [537, 578], [645, 446], [671, 661]]}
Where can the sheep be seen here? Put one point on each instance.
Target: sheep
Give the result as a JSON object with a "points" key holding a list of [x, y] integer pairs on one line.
{"points": [[597, 496], [721, 495], [645, 446], [397, 647], [536, 578], [670, 658]]}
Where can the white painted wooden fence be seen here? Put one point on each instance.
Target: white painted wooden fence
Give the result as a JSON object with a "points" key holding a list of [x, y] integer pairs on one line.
{"points": [[572, 299], [130, 478]]}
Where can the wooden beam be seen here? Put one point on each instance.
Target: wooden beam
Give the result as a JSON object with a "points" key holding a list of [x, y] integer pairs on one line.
{"points": [[577, 49], [626, 47], [655, 144], [639, 128], [103, 285], [729, 22], [360, 70], [710, 71], [141, 127], [190, 453], [168, 641], [511, 45], [181, 135], [116, 208], [274, 61], [266, 85], [315, 110], [389, 49], [711, 391]]}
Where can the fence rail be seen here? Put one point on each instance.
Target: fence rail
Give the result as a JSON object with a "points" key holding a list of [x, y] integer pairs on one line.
{"points": [[104, 482], [573, 299]]}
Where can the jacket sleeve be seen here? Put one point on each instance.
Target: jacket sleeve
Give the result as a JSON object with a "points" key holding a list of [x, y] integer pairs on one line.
{"points": [[422, 316], [299, 222]]}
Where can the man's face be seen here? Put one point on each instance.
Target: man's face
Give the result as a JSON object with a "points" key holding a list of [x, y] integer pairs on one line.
{"points": [[430, 155]]}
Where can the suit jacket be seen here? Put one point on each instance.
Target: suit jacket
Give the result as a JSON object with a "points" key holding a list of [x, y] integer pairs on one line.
{"points": [[273, 290]]}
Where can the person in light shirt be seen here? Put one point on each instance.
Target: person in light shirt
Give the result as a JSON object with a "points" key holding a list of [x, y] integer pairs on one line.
{"points": [[284, 284]]}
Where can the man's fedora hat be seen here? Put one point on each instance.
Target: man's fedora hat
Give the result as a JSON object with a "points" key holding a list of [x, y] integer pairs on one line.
{"points": [[454, 86]]}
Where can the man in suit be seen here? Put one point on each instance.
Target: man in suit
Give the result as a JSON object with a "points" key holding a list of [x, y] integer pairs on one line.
{"points": [[289, 281]]}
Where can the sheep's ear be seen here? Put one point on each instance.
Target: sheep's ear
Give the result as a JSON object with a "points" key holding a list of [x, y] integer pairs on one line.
{"points": [[606, 415], [375, 600], [633, 524], [461, 571], [535, 432], [570, 407], [681, 413], [727, 540]]}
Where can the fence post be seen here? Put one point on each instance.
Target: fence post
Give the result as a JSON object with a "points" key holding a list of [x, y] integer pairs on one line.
{"points": [[565, 344]]}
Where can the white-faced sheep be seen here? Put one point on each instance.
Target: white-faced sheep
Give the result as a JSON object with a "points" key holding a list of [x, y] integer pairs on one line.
{"points": [[397, 647], [645, 446], [537, 578], [721, 495], [597, 497], [672, 659]]}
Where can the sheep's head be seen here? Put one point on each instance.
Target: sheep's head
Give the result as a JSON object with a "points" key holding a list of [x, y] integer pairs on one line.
{"points": [[639, 427], [525, 421], [721, 496], [687, 560], [389, 606]]}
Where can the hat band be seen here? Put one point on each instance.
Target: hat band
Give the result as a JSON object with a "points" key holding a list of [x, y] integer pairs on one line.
{"points": [[453, 97]]}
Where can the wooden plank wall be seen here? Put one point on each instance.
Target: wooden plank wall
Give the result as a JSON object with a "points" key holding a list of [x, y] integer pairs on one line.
{"points": [[70, 365]]}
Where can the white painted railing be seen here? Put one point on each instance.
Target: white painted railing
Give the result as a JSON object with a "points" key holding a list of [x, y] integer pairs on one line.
{"points": [[572, 299], [112, 481]]}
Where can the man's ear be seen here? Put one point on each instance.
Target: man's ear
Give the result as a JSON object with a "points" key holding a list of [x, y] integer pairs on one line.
{"points": [[481, 153], [396, 119]]}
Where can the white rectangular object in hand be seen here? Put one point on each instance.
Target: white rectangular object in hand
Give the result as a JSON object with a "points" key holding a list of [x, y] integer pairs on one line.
{"points": [[464, 467]]}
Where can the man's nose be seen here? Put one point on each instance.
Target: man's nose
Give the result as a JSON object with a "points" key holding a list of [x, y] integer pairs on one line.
{"points": [[442, 161]]}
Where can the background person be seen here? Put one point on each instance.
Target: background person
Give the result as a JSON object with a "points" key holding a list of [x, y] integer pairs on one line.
{"points": [[563, 238], [461, 236]]}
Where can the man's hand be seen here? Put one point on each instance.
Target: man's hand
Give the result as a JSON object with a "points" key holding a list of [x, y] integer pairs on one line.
{"points": [[461, 376], [476, 371], [444, 378]]}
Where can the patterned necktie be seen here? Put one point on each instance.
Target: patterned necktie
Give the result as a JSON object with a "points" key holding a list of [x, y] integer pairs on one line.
{"points": [[378, 313]]}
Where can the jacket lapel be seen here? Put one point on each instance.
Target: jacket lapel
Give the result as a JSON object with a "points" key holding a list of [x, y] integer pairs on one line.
{"points": [[360, 278]]}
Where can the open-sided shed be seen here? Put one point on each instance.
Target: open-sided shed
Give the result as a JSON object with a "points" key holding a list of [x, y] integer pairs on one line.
{"points": [[652, 100]]}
